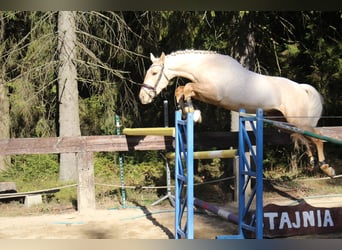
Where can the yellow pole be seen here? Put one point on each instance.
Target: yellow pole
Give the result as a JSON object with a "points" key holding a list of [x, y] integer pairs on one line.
{"points": [[229, 153], [150, 131]]}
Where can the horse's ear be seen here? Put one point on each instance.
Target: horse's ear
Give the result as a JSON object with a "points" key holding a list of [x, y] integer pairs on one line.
{"points": [[162, 57], [152, 57]]}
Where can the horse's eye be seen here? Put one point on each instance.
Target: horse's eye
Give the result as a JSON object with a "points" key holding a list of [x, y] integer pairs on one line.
{"points": [[154, 73]]}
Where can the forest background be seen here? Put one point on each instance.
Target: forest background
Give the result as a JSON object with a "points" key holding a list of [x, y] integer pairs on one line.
{"points": [[107, 55]]}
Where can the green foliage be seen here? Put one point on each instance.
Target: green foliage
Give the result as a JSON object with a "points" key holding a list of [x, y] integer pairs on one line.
{"points": [[140, 168], [314, 56], [105, 166], [39, 171], [291, 50], [32, 171], [29, 71], [143, 168], [35, 172], [96, 115]]}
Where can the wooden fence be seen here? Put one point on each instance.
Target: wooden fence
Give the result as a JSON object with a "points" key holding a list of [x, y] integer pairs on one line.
{"points": [[85, 146]]}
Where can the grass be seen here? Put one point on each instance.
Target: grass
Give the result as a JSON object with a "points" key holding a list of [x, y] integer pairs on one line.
{"points": [[37, 172]]}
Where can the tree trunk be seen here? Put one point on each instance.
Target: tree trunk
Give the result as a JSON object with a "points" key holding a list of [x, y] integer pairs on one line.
{"points": [[244, 49], [69, 124], [244, 52], [4, 121], [4, 102]]}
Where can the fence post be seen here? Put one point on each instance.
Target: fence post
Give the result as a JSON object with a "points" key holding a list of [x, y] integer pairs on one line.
{"points": [[85, 181]]}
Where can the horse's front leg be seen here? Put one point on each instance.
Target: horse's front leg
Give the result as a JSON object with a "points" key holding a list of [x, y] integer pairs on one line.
{"points": [[179, 94], [183, 96]]}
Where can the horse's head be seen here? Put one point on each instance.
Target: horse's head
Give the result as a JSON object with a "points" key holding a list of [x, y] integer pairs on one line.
{"points": [[155, 80]]}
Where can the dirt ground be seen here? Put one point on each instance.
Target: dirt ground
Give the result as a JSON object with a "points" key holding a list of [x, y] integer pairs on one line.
{"points": [[138, 222], [132, 222]]}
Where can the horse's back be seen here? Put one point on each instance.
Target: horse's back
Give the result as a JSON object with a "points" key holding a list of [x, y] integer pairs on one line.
{"points": [[301, 104]]}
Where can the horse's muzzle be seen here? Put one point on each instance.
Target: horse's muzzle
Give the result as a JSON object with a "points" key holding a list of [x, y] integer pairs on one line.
{"points": [[145, 97]]}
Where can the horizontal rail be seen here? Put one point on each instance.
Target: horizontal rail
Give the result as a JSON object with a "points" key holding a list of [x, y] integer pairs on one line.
{"points": [[108, 143], [229, 153], [150, 131], [285, 126], [42, 191], [230, 216]]}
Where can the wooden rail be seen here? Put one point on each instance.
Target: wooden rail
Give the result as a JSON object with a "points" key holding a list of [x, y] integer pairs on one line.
{"points": [[122, 143], [109, 143]]}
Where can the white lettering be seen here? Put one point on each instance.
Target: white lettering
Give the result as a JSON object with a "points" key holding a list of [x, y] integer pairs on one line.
{"points": [[327, 219], [285, 219], [308, 216], [271, 216], [319, 218], [300, 219], [297, 224]]}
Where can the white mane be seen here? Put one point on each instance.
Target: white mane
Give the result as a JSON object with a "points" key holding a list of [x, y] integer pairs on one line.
{"points": [[191, 51]]}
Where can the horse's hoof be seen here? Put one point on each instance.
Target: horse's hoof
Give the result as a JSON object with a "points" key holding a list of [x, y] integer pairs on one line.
{"points": [[188, 109], [197, 116], [327, 170]]}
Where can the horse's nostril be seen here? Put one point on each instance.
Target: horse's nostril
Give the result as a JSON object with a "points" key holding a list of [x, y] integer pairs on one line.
{"points": [[143, 99]]}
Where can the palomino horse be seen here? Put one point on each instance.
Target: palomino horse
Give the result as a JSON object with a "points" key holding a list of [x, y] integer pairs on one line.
{"points": [[220, 80]]}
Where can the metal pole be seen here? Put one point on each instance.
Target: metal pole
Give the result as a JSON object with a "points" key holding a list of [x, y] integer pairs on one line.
{"points": [[121, 166], [217, 210], [242, 175], [178, 180], [166, 114], [184, 181], [259, 174], [190, 174], [168, 185], [302, 131]]}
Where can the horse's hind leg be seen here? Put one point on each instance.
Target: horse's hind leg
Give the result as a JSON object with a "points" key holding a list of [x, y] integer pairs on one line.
{"points": [[320, 152], [319, 148], [303, 140], [321, 158]]}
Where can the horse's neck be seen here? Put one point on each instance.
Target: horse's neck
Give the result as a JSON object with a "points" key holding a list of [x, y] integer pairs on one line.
{"points": [[193, 65], [183, 65]]}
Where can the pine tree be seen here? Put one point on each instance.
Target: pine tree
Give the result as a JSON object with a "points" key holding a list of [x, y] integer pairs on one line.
{"points": [[69, 124], [4, 100]]}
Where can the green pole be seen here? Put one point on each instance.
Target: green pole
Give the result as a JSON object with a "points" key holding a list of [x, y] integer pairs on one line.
{"points": [[121, 166], [302, 131]]}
